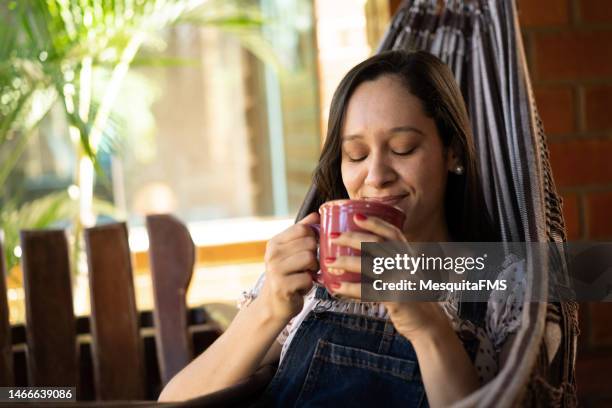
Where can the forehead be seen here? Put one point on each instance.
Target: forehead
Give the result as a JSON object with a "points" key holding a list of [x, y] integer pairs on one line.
{"points": [[383, 102]]}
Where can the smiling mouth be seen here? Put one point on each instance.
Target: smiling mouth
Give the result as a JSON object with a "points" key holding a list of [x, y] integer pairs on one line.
{"points": [[391, 200]]}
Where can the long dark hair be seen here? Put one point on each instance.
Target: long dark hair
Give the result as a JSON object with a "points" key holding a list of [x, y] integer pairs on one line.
{"points": [[429, 79]]}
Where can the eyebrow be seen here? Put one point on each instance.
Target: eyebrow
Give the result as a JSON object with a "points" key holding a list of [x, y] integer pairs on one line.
{"points": [[351, 137], [407, 129], [397, 129]]}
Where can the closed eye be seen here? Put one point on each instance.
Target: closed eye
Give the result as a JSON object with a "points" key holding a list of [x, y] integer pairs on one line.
{"points": [[404, 153], [352, 160]]}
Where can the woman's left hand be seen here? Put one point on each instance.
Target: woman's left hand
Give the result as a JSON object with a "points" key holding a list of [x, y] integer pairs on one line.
{"points": [[414, 320]]}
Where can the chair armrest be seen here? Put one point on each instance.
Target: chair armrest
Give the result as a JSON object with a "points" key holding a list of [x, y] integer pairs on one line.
{"points": [[241, 394]]}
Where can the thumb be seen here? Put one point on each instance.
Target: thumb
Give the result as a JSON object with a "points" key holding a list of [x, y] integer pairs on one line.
{"points": [[311, 218]]}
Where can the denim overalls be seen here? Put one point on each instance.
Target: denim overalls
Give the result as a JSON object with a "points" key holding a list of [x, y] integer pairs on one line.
{"points": [[346, 360]]}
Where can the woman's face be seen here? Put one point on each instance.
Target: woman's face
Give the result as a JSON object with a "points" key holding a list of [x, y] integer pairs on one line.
{"points": [[392, 152]]}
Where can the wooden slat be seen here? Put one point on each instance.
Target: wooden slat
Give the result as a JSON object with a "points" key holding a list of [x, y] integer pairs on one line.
{"points": [[172, 257], [117, 346], [6, 357], [51, 327]]}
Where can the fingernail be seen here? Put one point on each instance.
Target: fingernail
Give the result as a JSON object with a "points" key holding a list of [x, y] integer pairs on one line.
{"points": [[330, 259], [334, 234], [361, 217], [335, 271]]}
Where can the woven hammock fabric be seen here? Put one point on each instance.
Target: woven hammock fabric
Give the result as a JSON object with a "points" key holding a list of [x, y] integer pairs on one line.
{"points": [[480, 41]]}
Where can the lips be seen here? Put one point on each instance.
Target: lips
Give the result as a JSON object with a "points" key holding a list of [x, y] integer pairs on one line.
{"points": [[390, 199]]}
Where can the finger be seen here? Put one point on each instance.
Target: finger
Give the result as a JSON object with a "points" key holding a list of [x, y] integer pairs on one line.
{"points": [[353, 239], [311, 218], [297, 245], [298, 262], [348, 290], [391, 307], [341, 264], [298, 230], [298, 283], [379, 227]]}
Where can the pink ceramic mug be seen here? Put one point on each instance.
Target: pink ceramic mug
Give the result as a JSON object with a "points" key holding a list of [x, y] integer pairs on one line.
{"points": [[338, 216]]}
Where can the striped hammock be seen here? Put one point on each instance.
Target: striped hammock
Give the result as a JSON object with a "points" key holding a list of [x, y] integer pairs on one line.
{"points": [[481, 42]]}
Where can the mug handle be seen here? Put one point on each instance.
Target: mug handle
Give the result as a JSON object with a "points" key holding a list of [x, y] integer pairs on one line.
{"points": [[317, 276], [316, 228]]}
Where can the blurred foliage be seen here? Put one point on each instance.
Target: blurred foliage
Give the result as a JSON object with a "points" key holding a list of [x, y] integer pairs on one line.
{"points": [[50, 49], [58, 50], [45, 212]]}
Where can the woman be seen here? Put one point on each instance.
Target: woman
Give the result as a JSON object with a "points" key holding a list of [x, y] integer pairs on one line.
{"points": [[399, 133]]}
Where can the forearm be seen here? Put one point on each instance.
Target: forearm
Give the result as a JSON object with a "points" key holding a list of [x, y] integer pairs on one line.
{"points": [[236, 354], [446, 369]]}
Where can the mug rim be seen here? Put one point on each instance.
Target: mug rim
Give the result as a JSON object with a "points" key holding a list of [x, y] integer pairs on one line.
{"points": [[338, 203]]}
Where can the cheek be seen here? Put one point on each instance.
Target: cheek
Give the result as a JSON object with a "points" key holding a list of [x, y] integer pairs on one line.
{"points": [[428, 176], [351, 177]]}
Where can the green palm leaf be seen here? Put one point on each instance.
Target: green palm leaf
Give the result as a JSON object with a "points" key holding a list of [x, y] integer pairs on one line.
{"points": [[54, 39], [52, 210]]}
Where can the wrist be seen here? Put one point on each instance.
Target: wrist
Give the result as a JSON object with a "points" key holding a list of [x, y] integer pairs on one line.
{"points": [[266, 314], [433, 336], [436, 326]]}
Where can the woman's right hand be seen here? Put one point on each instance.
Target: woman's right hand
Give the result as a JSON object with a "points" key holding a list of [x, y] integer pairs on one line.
{"points": [[291, 260]]}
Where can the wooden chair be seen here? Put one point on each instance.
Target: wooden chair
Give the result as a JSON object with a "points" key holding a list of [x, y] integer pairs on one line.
{"points": [[117, 345], [51, 335], [172, 258], [116, 354]]}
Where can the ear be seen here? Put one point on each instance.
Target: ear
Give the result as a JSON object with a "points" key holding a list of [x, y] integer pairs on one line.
{"points": [[453, 158]]}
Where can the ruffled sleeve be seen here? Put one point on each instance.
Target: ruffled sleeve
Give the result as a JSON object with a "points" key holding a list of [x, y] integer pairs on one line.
{"points": [[505, 307], [248, 296]]}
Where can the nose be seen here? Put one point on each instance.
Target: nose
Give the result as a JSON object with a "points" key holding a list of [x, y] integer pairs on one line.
{"points": [[380, 172]]}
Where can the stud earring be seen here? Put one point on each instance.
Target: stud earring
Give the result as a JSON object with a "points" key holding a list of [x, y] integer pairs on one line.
{"points": [[459, 170]]}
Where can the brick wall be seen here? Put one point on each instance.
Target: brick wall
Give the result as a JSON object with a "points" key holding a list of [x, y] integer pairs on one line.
{"points": [[569, 51]]}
